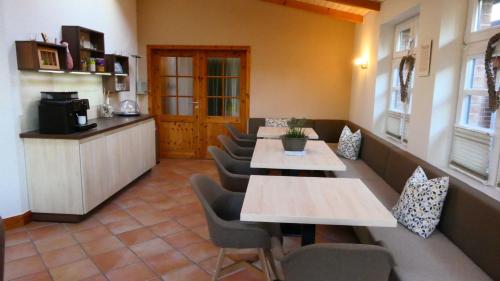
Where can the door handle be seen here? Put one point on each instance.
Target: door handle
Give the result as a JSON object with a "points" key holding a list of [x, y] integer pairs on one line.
{"points": [[194, 102]]}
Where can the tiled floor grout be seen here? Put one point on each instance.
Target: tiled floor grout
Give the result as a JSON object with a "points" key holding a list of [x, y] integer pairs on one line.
{"points": [[163, 185]]}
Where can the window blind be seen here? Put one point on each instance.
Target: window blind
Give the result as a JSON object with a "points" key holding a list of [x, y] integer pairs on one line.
{"points": [[393, 126], [471, 152]]}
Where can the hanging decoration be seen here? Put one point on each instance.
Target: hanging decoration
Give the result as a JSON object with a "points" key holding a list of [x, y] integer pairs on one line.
{"points": [[491, 65], [407, 62]]}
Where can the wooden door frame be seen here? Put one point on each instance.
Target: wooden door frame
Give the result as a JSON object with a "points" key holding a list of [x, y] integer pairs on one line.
{"points": [[153, 93]]}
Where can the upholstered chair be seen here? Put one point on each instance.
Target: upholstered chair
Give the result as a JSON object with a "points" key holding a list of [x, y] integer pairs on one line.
{"points": [[234, 174], [334, 262], [222, 210], [236, 151], [240, 138]]}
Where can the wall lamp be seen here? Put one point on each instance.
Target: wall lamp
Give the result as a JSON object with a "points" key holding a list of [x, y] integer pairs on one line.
{"points": [[362, 62]]}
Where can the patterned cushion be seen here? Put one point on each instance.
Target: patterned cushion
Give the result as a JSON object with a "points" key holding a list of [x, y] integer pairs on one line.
{"points": [[349, 144], [421, 202], [277, 122]]}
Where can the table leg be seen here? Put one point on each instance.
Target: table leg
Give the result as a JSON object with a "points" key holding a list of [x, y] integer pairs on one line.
{"points": [[308, 234]]}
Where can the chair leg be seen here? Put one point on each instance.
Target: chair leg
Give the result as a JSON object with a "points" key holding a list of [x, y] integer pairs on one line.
{"points": [[277, 273], [218, 266], [263, 262]]}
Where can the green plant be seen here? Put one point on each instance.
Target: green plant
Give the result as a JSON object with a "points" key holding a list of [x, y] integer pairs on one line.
{"points": [[296, 128]]}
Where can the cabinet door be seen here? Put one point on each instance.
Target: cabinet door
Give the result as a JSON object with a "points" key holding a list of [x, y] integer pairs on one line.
{"points": [[94, 166], [148, 146]]}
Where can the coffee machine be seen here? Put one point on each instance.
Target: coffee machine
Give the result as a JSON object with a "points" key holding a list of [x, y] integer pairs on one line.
{"points": [[63, 113]]}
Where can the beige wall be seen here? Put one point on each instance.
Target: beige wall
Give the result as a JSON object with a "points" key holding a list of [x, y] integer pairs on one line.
{"points": [[301, 63]]}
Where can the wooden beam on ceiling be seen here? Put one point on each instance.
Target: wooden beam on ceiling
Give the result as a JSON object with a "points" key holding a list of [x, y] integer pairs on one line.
{"points": [[346, 16], [365, 4]]}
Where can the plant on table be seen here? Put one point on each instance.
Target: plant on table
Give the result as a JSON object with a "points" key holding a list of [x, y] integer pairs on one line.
{"points": [[295, 137]]}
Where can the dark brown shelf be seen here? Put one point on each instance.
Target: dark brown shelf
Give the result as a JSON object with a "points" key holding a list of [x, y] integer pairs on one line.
{"points": [[112, 83], [27, 55], [74, 35]]}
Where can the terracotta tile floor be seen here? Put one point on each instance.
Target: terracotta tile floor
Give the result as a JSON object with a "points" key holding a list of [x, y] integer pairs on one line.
{"points": [[154, 230]]}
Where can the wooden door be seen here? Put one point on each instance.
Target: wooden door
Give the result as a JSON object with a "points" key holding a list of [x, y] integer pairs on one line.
{"points": [[195, 92], [175, 102]]}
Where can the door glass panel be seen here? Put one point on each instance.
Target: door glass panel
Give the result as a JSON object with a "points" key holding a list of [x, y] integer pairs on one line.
{"points": [[214, 66], [169, 86], [167, 66], [186, 106], [185, 66], [214, 107], [169, 105], [232, 87], [214, 87], [185, 86], [232, 107], [232, 67]]}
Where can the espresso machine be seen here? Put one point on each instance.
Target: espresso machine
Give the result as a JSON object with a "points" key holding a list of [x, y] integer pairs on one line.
{"points": [[63, 113]]}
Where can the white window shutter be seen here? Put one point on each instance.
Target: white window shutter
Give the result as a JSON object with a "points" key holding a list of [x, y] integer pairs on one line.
{"points": [[471, 152], [393, 125]]}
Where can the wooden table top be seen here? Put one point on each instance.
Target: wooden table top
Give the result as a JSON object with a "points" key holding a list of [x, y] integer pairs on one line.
{"points": [[309, 200], [269, 154], [276, 132]]}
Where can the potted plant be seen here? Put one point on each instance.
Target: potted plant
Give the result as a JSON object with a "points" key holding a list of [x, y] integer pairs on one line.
{"points": [[295, 138]]}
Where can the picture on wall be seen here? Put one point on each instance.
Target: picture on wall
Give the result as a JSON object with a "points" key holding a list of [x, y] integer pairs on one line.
{"points": [[425, 56]]}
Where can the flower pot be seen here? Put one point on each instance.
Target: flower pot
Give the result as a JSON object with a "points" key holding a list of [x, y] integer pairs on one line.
{"points": [[294, 144]]}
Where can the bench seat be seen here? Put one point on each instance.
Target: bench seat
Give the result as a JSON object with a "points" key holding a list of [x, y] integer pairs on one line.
{"points": [[435, 258]]}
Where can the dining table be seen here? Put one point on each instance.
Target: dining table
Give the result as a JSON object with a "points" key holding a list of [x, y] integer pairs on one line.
{"points": [[318, 156], [277, 132], [309, 201]]}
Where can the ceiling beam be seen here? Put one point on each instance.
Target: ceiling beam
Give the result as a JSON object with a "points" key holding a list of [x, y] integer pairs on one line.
{"points": [[346, 16], [365, 4]]}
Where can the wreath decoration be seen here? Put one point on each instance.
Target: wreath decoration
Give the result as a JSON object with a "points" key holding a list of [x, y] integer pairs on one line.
{"points": [[491, 67], [408, 62]]}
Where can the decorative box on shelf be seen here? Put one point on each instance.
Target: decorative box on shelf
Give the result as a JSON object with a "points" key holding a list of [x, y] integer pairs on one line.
{"points": [[118, 66], [85, 45], [40, 56]]}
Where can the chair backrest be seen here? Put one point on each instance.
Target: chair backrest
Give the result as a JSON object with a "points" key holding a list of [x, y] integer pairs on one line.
{"points": [[234, 149], [338, 262], [2, 248], [235, 133], [234, 174]]}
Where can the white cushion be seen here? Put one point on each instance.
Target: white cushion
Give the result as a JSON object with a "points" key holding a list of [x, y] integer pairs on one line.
{"points": [[349, 144], [421, 202], [277, 122]]}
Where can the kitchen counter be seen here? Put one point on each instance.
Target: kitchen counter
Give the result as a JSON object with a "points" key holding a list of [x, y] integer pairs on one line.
{"points": [[103, 125]]}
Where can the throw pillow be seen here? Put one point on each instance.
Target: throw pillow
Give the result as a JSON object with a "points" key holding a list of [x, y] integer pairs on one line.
{"points": [[421, 202], [349, 144], [277, 122]]}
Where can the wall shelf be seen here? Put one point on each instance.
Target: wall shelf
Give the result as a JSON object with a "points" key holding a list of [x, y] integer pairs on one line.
{"points": [[36, 56], [84, 43]]}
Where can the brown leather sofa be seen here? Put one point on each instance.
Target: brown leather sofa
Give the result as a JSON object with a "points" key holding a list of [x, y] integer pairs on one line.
{"points": [[2, 248], [466, 244]]}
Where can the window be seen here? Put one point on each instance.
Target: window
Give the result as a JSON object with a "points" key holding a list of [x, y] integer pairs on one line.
{"points": [[398, 114], [223, 86], [474, 149]]}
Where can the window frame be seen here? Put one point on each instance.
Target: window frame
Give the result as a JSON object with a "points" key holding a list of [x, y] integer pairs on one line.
{"points": [[392, 112], [475, 45]]}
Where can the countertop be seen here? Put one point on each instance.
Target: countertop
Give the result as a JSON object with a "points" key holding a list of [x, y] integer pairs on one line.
{"points": [[103, 125]]}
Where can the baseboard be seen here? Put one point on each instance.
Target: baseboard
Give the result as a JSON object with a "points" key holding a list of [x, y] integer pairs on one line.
{"points": [[17, 221]]}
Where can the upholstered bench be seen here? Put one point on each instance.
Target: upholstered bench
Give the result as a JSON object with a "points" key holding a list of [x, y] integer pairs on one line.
{"points": [[466, 244]]}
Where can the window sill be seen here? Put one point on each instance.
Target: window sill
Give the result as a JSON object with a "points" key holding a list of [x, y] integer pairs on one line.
{"points": [[491, 191], [488, 132]]}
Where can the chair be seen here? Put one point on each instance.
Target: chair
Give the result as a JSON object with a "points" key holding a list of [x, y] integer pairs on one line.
{"points": [[234, 174], [240, 138], [236, 151], [2, 248], [334, 262], [222, 210]]}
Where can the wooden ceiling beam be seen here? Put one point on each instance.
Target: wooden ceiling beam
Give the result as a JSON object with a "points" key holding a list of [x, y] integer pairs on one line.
{"points": [[341, 15], [365, 4]]}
